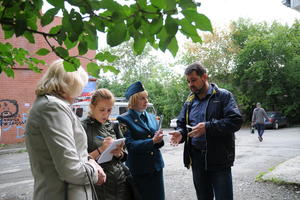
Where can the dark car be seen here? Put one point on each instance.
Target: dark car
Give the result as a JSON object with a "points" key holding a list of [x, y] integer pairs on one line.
{"points": [[277, 120]]}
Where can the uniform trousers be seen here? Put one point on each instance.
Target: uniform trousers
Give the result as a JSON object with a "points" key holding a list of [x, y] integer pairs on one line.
{"points": [[150, 186]]}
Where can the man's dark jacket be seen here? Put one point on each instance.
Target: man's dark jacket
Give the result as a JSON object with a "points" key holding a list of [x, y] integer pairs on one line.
{"points": [[222, 119]]}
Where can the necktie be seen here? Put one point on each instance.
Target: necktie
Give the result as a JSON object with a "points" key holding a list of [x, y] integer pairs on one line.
{"points": [[144, 118]]}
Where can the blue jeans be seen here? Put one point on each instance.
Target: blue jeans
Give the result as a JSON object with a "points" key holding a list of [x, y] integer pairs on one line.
{"points": [[208, 184], [260, 129]]}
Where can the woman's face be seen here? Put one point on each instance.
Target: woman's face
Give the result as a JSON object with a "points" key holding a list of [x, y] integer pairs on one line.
{"points": [[142, 103], [102, 110]]}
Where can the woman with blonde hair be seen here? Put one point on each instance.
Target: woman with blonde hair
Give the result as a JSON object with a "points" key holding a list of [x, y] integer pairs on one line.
{"points": [[56, 141], [100, 133], [143, 142]]}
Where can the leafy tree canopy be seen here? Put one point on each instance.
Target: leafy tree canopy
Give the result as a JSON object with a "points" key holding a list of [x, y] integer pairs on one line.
{"points": [[156, 22]]}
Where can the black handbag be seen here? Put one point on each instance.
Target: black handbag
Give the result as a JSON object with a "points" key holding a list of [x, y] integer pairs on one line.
{"points": [[252, 129], [135, 194]]}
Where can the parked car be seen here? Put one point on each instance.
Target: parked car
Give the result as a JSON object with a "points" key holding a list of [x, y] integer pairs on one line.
{"points": [[277, 120], [173, 123]]}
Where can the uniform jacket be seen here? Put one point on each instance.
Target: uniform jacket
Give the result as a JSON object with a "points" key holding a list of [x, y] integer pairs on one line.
{"points": [[57, 148], [143, 155], [222, 119], [116, 178]]}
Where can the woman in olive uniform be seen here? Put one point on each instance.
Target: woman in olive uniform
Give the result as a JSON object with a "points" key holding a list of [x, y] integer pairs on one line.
{"points": [[101, 132], [143, 142]]}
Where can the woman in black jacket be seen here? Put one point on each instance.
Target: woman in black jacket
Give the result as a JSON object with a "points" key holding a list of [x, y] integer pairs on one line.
{"points": [[101, 133]]}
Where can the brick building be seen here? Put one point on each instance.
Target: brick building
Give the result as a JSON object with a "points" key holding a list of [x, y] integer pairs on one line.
{"points": [[17, 94]]}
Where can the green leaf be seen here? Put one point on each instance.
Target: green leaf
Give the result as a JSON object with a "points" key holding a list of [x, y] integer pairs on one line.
{"points": [[187, 4], [37, 61], [93, 69], [70, 44], [171, 5], [61, 37], [117, 34], [42, 52], [55, 29], [173, 47], [91, 30], [33, 67], [139, 44], [110, 68], [156, 25], [69, 67], [106, 56], [82, 47], [111, 6], [8, 34], [196, 38], [92, 42], [62, 52], [66, 22], [31, 22], [48, 17], [171, 26], [57, 3], [9, 72], [76, 21], [201, 21], [161, 4], [20, 27], [164, 39], [186, 28], [98, 23], [29, 36]]}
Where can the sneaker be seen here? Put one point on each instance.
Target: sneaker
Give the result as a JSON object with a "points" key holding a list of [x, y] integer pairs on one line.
{"points": [[260, 138]]}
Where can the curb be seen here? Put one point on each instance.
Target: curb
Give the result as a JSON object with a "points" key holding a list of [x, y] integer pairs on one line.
{"points": [[14, 150], [286, 172]]}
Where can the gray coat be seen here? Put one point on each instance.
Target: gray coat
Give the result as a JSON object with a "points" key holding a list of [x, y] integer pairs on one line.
{"points": [[259, 115], [57, 148]]}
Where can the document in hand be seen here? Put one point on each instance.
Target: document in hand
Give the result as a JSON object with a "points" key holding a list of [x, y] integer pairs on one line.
{"points": [[106, 155]]}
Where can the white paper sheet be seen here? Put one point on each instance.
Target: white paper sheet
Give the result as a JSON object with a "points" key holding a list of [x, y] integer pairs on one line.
{"points": [[106, 155]]}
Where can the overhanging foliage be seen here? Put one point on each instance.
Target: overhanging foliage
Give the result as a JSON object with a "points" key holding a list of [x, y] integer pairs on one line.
{"points": [[156, 22]]}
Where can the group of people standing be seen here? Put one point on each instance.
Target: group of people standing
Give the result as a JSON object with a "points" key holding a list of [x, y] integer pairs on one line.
{"points": [[63, 150]]}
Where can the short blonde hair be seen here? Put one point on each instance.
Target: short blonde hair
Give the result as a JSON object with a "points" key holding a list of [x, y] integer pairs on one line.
{"points": [[59, 82], [133, 100]]}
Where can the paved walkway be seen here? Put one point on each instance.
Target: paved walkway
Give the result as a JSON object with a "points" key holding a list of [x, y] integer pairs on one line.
{"points": [[286, 172]]}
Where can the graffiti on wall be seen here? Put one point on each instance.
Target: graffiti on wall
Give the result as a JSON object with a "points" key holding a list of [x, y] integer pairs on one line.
{"points": [[11, 118]]}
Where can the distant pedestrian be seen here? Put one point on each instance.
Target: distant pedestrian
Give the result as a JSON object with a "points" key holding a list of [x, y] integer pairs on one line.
{"points": [[258, 120]]}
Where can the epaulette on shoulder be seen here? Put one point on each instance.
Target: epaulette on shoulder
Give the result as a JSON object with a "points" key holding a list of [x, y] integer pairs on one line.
{"points": [[123, 127], [190, 97]]}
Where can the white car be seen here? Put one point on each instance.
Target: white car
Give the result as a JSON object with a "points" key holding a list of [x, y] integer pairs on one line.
{"points": [[173, 123], [82, 108]]}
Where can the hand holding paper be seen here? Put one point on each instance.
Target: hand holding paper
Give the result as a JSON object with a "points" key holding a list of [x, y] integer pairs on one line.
{"points": [[107, 153]]}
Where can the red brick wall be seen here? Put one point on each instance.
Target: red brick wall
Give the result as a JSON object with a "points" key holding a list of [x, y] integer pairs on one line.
{"points": [[17, 94]]}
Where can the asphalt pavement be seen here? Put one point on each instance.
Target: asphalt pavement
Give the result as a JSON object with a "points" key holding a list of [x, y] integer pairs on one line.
{"points": [[287, 172]]}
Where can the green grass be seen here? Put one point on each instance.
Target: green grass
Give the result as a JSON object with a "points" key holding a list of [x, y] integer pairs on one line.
{"points": [[21, 151], [259, 178]]}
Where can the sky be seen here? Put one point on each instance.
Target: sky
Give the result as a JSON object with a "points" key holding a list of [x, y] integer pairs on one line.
{"points": [[221, 12]]}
